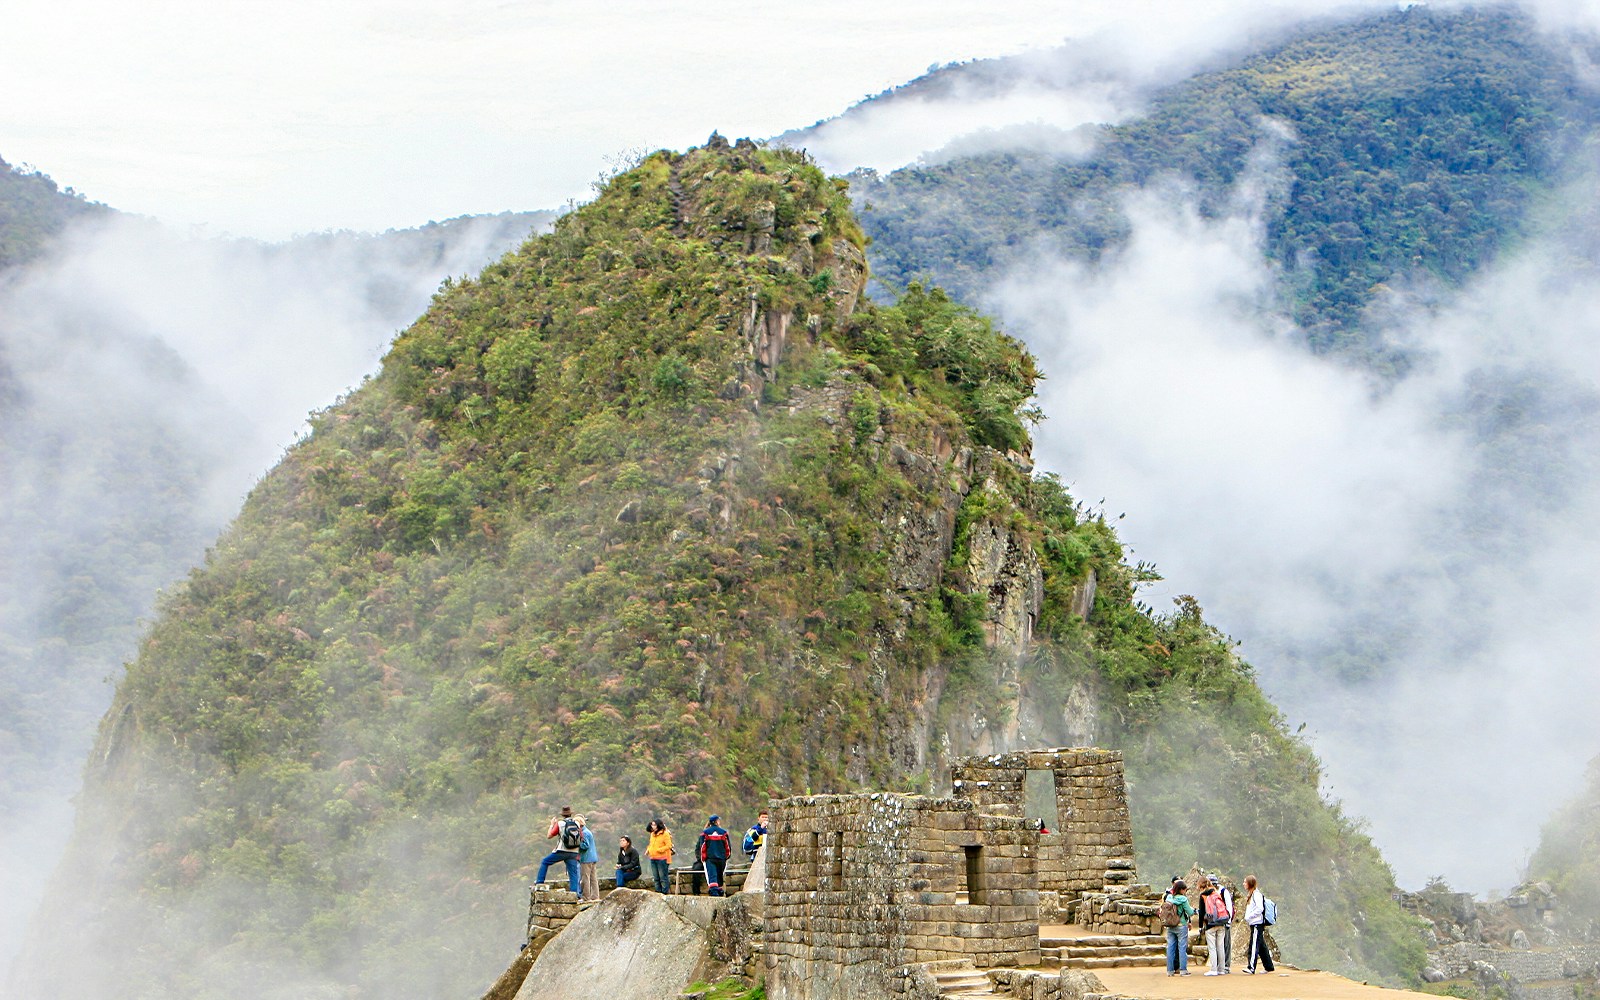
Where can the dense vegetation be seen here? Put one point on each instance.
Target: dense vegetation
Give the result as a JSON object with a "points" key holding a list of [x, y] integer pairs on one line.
{"points": [[578, 542], [1413, 146], [32, 210]]}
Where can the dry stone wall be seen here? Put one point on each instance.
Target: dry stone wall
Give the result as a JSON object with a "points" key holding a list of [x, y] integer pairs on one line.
{"points": [[859, 886], [1091, 840]]}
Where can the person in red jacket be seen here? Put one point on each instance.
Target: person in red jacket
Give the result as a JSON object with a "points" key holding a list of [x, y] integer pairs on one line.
{"points": [[713, 849]]}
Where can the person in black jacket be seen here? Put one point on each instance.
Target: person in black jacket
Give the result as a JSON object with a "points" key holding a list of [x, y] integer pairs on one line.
{"points": [[628, 867], [713, 849]]}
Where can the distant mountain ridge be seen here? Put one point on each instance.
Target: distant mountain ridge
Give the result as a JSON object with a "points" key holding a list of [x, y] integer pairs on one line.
{"points": [[32, 210], [1414, 145]]}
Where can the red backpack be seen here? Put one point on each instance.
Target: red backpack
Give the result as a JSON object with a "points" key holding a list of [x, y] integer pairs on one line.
{"points": [[1217, 908]]}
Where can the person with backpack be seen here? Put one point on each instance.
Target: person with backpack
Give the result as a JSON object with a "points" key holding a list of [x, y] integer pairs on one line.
{"points": [[564, 829], [1175, 913], [588, 861], [1259, 914], [1214, 920], [1227, 937], [712, 849], [660, 853], [628, 867], [755, 837]]}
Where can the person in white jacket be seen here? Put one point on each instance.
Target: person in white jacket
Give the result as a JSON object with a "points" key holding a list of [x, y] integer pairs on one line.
{"points": [[1255, 917]]}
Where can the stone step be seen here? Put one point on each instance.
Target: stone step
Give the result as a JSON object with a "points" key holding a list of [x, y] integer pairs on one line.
{"points": [[1130, 951], [1101, 940], [1128, 962]]}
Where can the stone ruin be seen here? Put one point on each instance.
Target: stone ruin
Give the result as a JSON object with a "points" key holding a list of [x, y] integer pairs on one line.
{"points": [[883, 894], [864, 889]]}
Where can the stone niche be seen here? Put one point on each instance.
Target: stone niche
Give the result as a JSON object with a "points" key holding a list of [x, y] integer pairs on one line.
{"points": [[861, 886]]}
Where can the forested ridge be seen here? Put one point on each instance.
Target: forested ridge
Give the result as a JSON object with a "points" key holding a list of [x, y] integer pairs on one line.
{"points": [[1415, 144], [32, 210]]}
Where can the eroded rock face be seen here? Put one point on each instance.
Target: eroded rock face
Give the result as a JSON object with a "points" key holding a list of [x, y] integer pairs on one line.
{"points": [[1006, 568]]}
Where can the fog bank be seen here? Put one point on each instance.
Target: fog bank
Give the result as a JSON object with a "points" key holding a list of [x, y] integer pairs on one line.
{"points": [[146, 380], [1412, 567]]}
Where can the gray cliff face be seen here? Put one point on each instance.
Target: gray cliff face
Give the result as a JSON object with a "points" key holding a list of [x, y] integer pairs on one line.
{"points": [[1005, 567], [1000, 564]]}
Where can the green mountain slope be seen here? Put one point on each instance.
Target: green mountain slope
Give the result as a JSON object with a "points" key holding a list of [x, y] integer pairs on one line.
{"points": [[32, 210], [1413, 146], [656, 516]]}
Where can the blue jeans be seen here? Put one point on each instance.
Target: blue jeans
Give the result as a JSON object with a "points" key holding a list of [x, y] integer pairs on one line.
{"points": [[570, 858], [661, 870], [1178, 949], [714, 869], [624, 876]]}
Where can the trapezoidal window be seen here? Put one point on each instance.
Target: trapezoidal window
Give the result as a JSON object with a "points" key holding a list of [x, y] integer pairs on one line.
{"points": [[972, 875], [1039, 799]]}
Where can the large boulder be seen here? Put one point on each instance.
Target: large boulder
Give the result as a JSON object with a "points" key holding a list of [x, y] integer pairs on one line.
{"points": [[634, 945]]}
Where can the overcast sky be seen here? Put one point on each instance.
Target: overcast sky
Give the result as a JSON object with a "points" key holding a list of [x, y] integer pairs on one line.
{"points": [[267, 119]]}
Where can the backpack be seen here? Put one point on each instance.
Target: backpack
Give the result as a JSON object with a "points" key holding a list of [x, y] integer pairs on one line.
{"points": [[1168, 911], [1217, 908], [571, 835], [1269, 911], [750, 842]]}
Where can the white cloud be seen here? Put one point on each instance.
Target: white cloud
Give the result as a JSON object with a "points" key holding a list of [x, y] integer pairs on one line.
{"points": [[1310, 510]]}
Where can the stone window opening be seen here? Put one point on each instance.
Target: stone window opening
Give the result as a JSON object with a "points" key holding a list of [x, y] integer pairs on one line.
{"points": [[814, 861], [1040, 801], [972, 887], [836, 868]]}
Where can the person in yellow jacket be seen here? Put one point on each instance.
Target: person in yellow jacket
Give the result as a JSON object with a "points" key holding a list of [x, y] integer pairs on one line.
{"points": [[659, 852]]}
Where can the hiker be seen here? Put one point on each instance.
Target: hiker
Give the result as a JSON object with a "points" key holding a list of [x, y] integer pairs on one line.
{"points": [[569, 838], [1175, 914], [1227, 937], [627, 862], [755, 836], [588, 861], [1255, 918], [1214, 919], [712, 850], [659, 850]]}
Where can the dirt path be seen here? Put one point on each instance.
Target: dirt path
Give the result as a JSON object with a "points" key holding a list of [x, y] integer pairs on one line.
{"points": [[1285, 984]]}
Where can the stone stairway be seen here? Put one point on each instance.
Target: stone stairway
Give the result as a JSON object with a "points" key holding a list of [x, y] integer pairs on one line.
{"points": [[962, 979], [1111, 951]]}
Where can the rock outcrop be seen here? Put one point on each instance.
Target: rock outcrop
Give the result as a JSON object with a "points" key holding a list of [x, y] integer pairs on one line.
{"points": [[634, 945]]}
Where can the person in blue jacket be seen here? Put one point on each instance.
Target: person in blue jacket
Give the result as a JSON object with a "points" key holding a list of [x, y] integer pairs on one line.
{"points": [[588, 862], [712, 849], [755, 837]]}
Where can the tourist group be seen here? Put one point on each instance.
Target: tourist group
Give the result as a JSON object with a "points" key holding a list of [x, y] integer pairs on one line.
{"points": [[1214, 909], [575, 848]]}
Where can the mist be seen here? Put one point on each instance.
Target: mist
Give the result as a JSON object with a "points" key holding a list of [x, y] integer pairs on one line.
{"points": [[147, 379], [1412, 567], [1040, 100]]}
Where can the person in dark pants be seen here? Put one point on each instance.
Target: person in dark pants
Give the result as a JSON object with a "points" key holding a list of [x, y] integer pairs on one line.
{"points": [[712, 850], [1255, 917], [628, 867], [660, 851]]}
